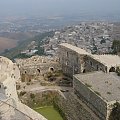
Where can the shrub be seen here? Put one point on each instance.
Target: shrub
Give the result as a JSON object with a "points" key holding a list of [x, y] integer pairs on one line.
{"points": [[118, 71], [22, 93], [32, 96], [115, 114]]}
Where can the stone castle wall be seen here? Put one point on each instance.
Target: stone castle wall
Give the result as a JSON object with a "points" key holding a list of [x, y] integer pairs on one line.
{"points": [[93, 65], [75, 63], [75, 60], [68, 103], [38, 65], [71, 62], [73, 109], [91, 99], [9, 75], [10, 106], [40, 69]]}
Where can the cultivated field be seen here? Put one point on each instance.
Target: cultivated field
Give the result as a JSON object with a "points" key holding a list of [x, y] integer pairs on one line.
{"points": [[6, 43]]}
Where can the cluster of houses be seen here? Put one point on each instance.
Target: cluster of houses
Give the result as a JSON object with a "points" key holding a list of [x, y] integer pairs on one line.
{"points": [[96, 37]]}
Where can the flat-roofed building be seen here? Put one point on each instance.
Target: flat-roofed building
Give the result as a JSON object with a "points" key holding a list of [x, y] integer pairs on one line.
{"points": [[75, 60], [106, 63], [98, 90]]}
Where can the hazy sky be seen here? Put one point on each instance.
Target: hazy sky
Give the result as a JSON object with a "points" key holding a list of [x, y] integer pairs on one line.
{"points": [[58, 7]]}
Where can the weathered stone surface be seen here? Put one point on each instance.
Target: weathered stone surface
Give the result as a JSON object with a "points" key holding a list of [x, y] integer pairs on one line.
{"points": [[75, 60], [75, 109], [10, 106], [38, 65]]}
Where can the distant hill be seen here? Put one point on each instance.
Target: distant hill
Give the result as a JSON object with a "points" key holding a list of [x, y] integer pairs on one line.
{"points": [[18, 36], [6, 43]]}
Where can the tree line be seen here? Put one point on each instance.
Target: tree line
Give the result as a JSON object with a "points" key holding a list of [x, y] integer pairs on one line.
{"points": [[116, 46]]}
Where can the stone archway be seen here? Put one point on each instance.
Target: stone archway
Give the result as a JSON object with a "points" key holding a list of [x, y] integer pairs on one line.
{"points": [[84, 71], [25, 72], [112, 69], [51, 69], [97, 67]]}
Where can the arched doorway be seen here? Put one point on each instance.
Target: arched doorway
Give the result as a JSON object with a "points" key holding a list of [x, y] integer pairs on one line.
{"points": [[97, 67], [84, 71], [25, 71], [52, 69], [112, 69]]}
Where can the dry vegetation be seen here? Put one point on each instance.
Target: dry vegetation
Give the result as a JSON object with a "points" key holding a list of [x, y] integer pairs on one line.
{"points": [[6, 43]]}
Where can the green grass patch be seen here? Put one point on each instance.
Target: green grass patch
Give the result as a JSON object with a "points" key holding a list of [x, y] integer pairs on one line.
{"points": [[49, 112]]}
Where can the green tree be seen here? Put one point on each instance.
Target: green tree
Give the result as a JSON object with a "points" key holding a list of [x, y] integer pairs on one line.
{"points": [[32, 96], [116, 46], [115, 114]]}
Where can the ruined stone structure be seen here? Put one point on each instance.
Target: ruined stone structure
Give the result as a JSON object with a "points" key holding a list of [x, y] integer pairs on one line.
{"points": [[10, 106], [71, 59], [98, 90], [75, 60], [9, 75], [99, 87], [38, 65]]}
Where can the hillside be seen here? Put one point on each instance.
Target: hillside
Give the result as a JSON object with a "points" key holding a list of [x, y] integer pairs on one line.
{"points": [[24, 45], [18, 36], [6, 43]]}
